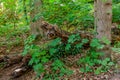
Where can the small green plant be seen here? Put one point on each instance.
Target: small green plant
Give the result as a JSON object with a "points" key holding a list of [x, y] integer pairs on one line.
{"points": [[93, 58], [28, 44], [53, 52], [73, 46], [117, 45], [58, 70], [57, 49], [39, 58]]}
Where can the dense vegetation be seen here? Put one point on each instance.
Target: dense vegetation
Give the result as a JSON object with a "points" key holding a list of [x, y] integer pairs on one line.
{"points": [[69, 15]]}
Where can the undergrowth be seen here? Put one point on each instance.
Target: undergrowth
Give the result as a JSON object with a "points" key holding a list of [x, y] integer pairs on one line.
{"points": [[47, 60]]}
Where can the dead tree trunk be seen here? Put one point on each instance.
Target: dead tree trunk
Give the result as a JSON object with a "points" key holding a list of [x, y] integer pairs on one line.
{"points": [[103, 21]]}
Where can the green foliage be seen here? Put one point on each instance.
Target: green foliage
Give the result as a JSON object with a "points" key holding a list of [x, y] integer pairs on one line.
{"points": [[117, 50], [93, 58], [57, 49], [58, 70], [73, 38], [28, 44], [117, 45], [58, 65], [72, 46], [39, 58], [54, 51], [95, 43], [68, 12], [116, 12]]}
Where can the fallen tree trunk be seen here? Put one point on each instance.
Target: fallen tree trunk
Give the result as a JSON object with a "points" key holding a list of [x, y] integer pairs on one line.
{"points": [[22, 68], [17, 59]]}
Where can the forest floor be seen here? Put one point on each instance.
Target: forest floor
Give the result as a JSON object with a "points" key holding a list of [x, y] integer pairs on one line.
{"points": [[30, 74], [5, 72]]}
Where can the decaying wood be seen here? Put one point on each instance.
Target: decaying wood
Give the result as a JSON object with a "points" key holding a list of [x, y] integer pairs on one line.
{"points": [[10, 60], [19, 71], [16, 59], [22, 68], [52, 32]]}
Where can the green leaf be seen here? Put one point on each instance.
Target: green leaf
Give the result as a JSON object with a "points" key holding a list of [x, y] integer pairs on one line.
{"points": [[42, 53], [52, 51], [55, 42], [95, 43], [55, 68], [105, 40], [85, 41], [31, 62], [105, 61], [82, 69], [98, 70], [80, 45], [73, 38], [88, 69], [117, 50], [39, 68], [110, 63], [68, 47], [58, 63], [44, 59]]}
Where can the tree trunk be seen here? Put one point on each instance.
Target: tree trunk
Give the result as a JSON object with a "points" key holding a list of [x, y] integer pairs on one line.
{"points": [[25, 11], [103, 21], [35, 22]]}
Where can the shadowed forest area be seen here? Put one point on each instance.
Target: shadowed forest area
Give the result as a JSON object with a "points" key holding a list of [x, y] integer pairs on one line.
{"points": [[59, 39]]}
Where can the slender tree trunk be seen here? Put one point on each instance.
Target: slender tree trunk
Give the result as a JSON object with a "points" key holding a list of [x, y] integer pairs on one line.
{"points": [[25, 11], [35, 23], [103, 21]]}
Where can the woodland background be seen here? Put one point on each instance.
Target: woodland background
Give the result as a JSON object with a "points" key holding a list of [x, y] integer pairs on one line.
{"points": [[20, 34]]}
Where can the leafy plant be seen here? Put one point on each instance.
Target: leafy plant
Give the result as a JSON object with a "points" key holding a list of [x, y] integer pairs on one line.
{"points": [[54, 51], [58, 70], [93, 58], [28, 44], [69, 13], [73, 46]]}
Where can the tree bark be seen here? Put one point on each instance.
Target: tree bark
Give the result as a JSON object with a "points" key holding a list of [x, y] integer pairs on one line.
{"points": [[35, 23], [25, 11], [103, 21]]}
